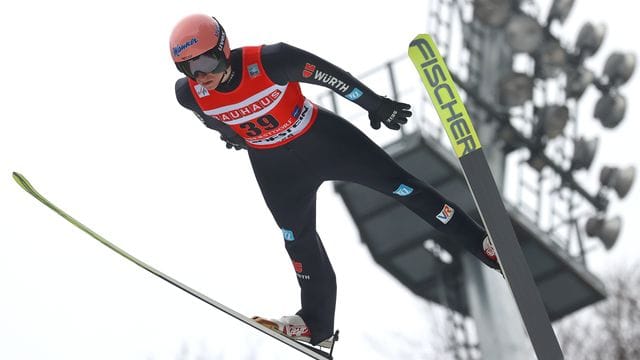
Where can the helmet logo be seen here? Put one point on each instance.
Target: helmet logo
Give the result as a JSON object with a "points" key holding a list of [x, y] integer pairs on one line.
{"points": [[182, 47]]}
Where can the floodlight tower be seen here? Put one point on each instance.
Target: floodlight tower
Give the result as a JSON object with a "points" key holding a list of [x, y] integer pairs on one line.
{"points": [[522, 85]]}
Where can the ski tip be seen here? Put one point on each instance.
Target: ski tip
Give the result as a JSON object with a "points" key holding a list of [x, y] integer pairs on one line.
{"points": [[22, 181], [18, 177], [420, 37]]}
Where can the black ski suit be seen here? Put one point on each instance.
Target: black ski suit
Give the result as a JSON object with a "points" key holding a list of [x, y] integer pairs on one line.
{"points": [[332, 149]]}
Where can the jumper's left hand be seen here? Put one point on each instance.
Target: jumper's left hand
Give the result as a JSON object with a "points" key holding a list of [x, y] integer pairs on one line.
{"points": [[391, 113]]}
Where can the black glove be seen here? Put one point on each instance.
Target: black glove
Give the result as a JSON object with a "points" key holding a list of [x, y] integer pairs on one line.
{"points": [[391, 113], [236, 142]]}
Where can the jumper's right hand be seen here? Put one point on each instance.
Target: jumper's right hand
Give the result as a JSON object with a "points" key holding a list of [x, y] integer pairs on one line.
{"points": [[391, 113], [237, 142]]}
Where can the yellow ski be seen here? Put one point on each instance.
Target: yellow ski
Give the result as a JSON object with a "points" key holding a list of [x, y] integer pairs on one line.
{"points": [[455, 119]]}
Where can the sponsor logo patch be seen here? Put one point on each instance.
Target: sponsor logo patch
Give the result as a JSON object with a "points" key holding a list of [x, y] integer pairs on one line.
{"points": [[446, 214], [354, 94], [308, 70], [403, 190], [253, 70], [288, 235], [296, 111], [297, 266], [201, 91]]}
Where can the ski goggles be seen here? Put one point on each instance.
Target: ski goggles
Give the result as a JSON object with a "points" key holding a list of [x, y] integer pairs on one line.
{"points": [[209, 62]]}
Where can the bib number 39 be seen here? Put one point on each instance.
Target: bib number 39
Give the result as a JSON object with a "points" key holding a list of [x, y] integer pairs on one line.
{"points": [[258, 126]]}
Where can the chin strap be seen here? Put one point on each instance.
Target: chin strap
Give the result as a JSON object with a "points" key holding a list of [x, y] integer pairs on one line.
{"points": [[230, 76]]}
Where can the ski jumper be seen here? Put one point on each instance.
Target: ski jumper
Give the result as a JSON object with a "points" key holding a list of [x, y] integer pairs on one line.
{"points": [[294, 146]]}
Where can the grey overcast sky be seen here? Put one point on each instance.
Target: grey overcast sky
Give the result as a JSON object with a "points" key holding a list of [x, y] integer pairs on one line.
{"points": [[88, 114]]}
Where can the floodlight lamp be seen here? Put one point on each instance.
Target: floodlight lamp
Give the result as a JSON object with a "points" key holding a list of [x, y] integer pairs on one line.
{"points": [[553, 119], [492, 12], [590, 38], [551, 59], [610, 109], [524, 33], [560, 9], [619, 67], [620, 180], [607, 230], [515, 89], [584, 151], [578, 79]]}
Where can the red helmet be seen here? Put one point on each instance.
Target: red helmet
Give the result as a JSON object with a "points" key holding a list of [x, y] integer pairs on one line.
{"points": [[195, 36]]}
